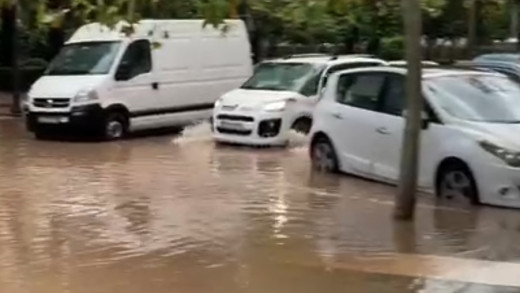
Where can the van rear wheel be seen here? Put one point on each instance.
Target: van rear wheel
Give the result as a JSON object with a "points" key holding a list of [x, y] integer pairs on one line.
{"points": [[115, 127]]}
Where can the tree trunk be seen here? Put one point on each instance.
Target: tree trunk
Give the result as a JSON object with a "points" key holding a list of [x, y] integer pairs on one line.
{"points": [[131, 10], [55, 39], [15, 69], [351, 39], [515, 22], [513, 26], [472, 27], [6, 36], [374, 44], [405, 197]]}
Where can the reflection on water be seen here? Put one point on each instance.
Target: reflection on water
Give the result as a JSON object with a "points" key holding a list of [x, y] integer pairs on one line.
{"points": [[157, 214]]}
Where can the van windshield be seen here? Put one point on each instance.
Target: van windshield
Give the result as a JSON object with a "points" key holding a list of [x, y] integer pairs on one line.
{"points": [[282, 76], [84, 59]]}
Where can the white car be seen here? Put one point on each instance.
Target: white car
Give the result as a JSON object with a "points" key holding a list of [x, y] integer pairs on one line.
{"points": [[280, 96], [470, 148], [403, 63]]}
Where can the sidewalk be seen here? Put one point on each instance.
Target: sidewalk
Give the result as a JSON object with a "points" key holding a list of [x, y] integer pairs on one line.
{"points": [[5, 104]]}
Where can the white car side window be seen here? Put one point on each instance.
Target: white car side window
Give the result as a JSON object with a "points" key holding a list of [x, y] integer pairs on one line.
{"points": [[360, 90]]}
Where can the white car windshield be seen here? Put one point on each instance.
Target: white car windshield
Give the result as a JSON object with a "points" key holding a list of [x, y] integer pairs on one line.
{"points": [[84, 58], [282, 76], [482, 98]]}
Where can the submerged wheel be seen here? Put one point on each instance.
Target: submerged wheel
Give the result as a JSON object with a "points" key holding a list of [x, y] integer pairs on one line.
{"points": [[115, 127], [455, 182], [323, 156], [302, 125]]}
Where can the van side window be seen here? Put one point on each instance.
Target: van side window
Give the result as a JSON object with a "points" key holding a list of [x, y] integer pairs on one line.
{"points": [[360, 90], [137, 60]]}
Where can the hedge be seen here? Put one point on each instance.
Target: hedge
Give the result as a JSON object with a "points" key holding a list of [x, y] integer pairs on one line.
{"points": [[29, 75]]}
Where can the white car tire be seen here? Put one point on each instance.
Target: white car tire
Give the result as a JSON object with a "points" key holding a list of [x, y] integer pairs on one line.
{"points": [[323, 156]]}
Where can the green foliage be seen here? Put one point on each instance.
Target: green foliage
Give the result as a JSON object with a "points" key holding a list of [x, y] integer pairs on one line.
{"points": [[291, 21], [393, 48]]}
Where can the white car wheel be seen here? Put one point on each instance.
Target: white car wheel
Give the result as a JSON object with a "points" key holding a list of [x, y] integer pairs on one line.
{"points": [[323, 156]]}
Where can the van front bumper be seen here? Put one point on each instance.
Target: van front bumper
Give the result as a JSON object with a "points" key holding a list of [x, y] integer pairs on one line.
{"points": [[81, 119]]}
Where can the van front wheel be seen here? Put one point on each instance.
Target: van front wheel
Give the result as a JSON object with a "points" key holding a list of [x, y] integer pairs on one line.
{"points": [[115, 127]]}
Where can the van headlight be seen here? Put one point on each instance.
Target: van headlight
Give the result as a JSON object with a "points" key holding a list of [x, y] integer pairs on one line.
{"points": [[510, 157], [86, 96], [275, 107]]}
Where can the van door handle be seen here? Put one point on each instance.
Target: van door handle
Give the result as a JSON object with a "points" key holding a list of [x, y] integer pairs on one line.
{"points": [[155, 85], [383, 130], [337, 116]]}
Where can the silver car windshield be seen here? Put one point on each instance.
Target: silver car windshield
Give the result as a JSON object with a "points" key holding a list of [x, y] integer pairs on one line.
{"points": [[481, 98], [283, 76]]}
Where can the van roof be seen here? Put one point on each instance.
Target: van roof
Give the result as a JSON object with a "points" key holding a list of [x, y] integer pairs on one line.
{"points": [[148, 28]]}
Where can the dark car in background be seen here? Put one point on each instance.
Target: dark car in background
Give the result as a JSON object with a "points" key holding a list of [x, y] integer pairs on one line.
{"points": [[505, 63]]}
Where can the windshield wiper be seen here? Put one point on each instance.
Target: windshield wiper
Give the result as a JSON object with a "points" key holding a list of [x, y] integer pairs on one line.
{"points": [[264, 88], [68, 72]]}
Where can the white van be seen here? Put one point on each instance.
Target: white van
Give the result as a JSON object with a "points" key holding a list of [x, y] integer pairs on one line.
{"points": [[166, 73]]}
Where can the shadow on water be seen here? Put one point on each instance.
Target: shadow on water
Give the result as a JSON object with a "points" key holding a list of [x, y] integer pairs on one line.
{"points": [[88, 138]]}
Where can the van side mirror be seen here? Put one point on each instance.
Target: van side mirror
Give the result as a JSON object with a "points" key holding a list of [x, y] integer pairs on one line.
{"points": [[123, 71], [425, 119]]}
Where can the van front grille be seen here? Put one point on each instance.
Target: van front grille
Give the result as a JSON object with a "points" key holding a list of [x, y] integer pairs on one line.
{"points": [[51, 102]]}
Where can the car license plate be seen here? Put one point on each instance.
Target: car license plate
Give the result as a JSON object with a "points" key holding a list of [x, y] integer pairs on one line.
{"points": [[231, 125], [52, 119]]}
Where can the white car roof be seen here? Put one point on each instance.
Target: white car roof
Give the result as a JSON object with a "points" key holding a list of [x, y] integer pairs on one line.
{"points": [[403, 63], [426, 73], [328, 60]]}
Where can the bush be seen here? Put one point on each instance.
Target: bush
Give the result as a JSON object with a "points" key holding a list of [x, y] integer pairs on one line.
{"points": [[392, 48], [29, 74], [34, 62]]}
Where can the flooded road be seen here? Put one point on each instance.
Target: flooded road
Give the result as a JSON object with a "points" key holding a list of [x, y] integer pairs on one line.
{"points": [[178, 214]]}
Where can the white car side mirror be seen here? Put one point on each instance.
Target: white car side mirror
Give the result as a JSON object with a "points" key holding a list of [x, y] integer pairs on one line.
{"points": [[321, 93]]}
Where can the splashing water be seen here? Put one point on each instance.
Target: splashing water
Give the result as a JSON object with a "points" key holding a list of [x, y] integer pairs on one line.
{"points": [[297, 140], [201, 132], [195, 133]]}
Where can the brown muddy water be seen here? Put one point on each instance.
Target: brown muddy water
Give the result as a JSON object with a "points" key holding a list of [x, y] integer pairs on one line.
{"points": [[173, 213]]}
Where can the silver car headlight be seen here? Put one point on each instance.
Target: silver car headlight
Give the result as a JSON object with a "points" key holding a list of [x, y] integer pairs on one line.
{"points": [[86, 96], [218, 103], [275, 107], [510, 157]]}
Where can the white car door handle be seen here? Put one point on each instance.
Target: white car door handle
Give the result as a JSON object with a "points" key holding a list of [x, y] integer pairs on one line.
{"points": [[337, 116], [383, 130]]}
